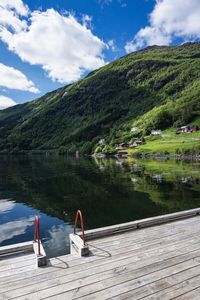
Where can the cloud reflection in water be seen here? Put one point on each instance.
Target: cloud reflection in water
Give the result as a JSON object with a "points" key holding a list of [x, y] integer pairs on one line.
{"points": [[14, 228], [6, 205]]}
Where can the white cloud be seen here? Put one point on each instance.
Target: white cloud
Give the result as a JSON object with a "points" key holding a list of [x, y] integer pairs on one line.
{"points": [[12, 78], [112, 45], [63, 47], [122, 3], [10, 10], [105, 2], [6, 102], [169, 20], [86, 20], [16, 5]]}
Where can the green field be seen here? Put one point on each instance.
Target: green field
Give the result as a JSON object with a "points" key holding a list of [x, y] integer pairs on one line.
{"points": [[168, 146]]}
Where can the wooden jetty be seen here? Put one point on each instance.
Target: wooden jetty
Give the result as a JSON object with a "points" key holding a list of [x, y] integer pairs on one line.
{"points": [[154, 258]]}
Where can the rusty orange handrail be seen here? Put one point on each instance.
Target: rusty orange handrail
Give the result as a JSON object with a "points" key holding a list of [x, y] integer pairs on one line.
{"points": [[79, 214], [37, 233]]}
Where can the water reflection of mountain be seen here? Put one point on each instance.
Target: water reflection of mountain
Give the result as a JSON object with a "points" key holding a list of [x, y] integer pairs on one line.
{"points": [[107, 191]]}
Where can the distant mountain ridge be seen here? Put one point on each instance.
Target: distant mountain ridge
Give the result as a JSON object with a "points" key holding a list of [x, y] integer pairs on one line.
{"points": [[158, 87]]}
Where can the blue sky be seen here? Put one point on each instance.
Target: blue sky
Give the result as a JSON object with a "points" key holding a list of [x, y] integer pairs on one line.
{"points": [[47, 44]]}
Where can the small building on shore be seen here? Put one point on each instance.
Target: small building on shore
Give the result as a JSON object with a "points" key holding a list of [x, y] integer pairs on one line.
{"points": [[102, 142], [133, 129], [187, 129], [156, 132], [122, 146], [136, 144]]}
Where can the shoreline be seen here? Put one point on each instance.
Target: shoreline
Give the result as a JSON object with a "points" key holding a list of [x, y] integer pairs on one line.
{"points": [[156, 156]]}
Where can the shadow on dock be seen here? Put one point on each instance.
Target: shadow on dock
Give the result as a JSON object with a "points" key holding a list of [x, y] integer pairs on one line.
{"points": [[99, 251]]}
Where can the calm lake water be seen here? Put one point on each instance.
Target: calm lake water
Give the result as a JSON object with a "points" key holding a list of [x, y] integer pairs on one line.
{"points": [[108, 191]]}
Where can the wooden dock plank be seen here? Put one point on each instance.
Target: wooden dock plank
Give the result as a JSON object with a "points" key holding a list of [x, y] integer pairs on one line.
{"points": [[47, 288], [92, 262], [176, 290], [75, 276], [70, 257], [17, 247], [126, 246], [28, 260], [157, 262], [194, 295], [123, 262], [16, 259], [99, 232], [115, 267], [111, 287], [154, 230], [165, 289]]}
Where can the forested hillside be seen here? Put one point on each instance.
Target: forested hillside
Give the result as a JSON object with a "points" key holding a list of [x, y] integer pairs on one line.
{"points": [[158, 87]]}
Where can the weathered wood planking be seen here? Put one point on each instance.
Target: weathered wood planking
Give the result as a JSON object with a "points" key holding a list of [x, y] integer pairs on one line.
{"points": [[111, 230], [157, 262], [21, 257], [75, 264], [13, 249]]}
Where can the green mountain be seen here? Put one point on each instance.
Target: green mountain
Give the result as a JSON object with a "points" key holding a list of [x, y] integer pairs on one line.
{"points": [[158, 87]]}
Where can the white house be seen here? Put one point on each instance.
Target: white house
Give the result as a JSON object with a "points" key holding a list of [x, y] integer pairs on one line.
{"points": [[102, 142], [156, 132], [133, 129]]}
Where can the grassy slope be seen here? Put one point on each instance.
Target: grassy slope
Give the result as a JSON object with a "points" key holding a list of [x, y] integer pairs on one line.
{"points": [[170, 143], [159, 86]]}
